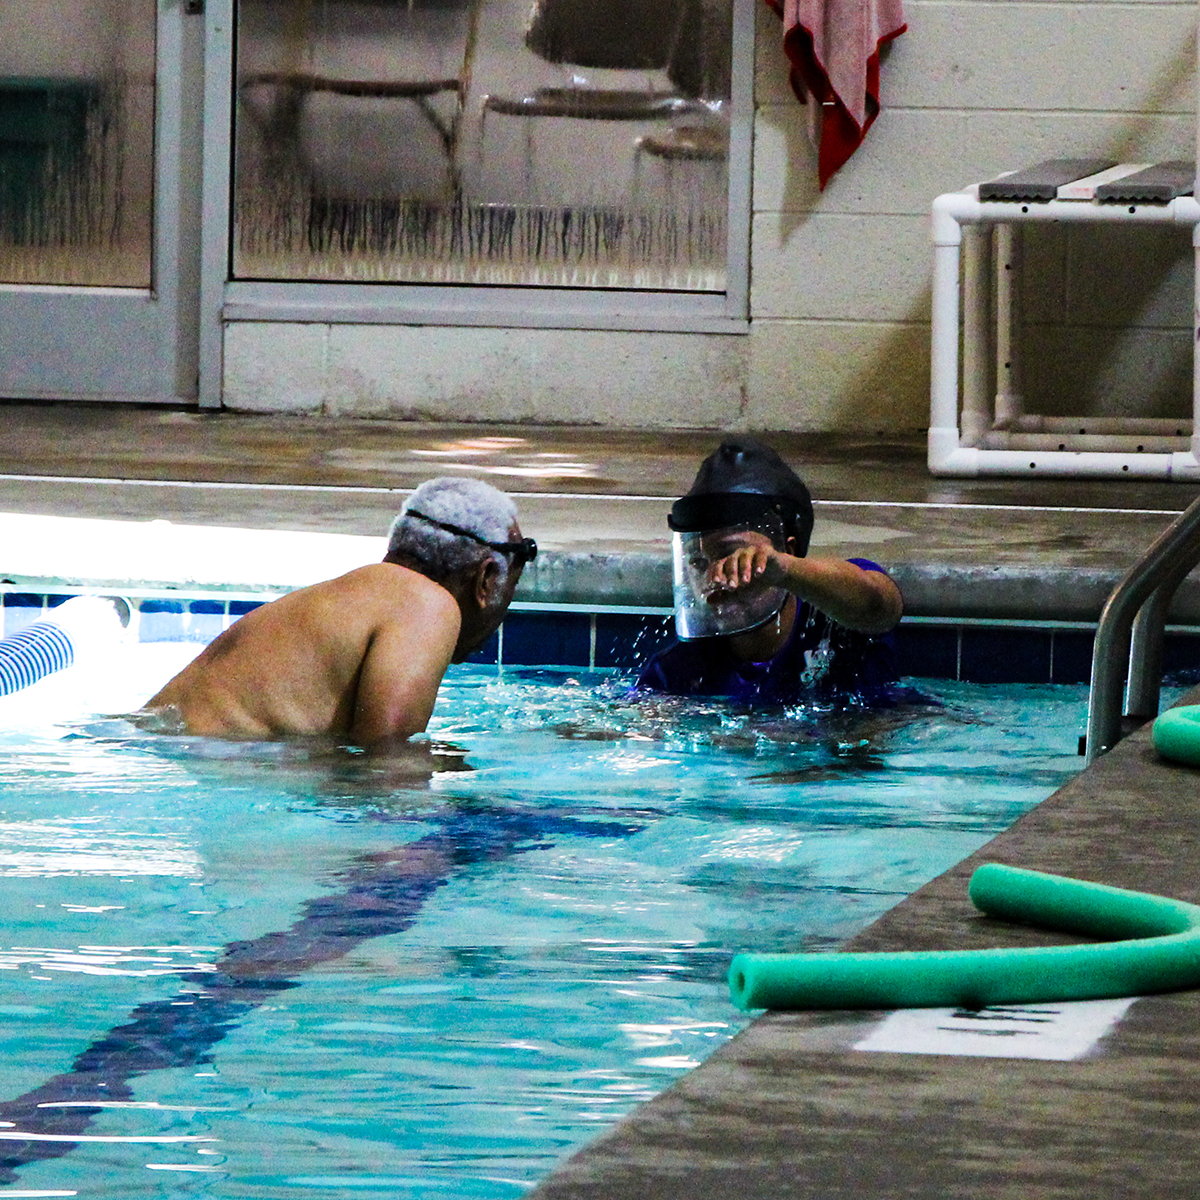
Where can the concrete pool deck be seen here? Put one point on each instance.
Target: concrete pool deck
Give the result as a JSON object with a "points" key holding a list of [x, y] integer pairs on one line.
{"points": [[596, 500], [788, 1108]]}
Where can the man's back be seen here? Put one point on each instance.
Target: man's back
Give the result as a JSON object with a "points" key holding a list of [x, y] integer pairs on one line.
{"points": [[360, 657]]}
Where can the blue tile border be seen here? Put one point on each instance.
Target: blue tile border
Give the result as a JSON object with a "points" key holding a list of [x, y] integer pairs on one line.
{"points": [[489, 653], [1015, 653], [547, 639], [21, 609], [1015, 656], [971, 651], [1072, 649], [927, 651], [625, 641], [1181, 661]]}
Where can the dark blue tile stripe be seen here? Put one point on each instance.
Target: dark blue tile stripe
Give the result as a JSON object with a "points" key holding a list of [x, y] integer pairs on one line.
{"points": [[973, 653], [547, 639]]}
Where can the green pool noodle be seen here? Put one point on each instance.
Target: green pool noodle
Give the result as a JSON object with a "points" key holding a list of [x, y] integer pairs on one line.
{"points": [[1176, 734], [1152, 944]]}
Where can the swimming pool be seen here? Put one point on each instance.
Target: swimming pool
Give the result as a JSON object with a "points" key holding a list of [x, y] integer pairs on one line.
{"points": [[273, 971]]}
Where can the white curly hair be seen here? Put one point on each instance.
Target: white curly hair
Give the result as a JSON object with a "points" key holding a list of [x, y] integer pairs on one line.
{"points": [[470, 504]]}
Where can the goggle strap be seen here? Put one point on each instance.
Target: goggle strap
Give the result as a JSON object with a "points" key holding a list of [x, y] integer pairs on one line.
{"points": [[525, 549]]}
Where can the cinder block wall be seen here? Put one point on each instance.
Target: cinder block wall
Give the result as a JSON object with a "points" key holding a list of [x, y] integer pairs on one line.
{"points": [[839, 336]]}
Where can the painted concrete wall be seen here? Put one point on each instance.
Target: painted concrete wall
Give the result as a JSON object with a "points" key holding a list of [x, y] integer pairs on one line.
{"points": [[839, 336]]}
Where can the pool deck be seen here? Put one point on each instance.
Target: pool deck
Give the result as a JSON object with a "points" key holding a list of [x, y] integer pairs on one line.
{"points": [[788, 1108], [596, 500]]}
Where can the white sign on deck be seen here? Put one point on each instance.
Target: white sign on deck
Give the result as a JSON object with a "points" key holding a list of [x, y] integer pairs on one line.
{"points": [[1049, 1031]]}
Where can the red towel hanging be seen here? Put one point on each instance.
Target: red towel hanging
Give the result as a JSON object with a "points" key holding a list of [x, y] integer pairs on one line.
{"points": [[833, 46]]}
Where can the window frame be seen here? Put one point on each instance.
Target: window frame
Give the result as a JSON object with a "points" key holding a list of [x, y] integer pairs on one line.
{"points": [[225, 300]]}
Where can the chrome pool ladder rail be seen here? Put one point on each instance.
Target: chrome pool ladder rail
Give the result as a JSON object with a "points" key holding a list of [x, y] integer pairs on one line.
{"points": [[1129, 637]]}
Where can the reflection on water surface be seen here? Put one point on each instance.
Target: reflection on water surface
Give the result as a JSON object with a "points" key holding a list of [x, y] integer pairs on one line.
{"points": [[296, 966]]}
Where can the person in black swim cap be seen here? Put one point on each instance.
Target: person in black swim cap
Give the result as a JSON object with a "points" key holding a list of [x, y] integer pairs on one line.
{"points": [[756, 618]]}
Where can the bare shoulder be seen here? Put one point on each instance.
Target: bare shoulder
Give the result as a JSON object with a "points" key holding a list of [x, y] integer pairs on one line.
{"points": [[388, 590]]}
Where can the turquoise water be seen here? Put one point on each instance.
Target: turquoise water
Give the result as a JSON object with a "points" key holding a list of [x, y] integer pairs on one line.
{"points": [[455, 966]]}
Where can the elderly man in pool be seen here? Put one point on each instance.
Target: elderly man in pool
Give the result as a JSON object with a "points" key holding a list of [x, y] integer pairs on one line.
{"points": [[361, 657]]}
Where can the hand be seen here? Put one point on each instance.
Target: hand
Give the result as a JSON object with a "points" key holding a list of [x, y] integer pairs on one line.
{"points": [[748, 567]]}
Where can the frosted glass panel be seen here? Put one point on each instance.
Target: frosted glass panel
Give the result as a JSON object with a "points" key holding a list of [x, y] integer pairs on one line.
{"points": [[577, 143], [76, 141]]}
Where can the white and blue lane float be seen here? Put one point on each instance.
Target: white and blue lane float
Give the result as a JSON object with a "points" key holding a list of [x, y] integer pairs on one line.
{"points": [[68, 633]]}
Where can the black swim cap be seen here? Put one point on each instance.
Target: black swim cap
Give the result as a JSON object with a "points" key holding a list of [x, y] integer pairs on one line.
{"points": [[741, 481]]}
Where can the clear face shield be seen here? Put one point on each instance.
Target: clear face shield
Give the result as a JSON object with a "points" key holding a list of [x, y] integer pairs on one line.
{"points": [[703, 609]]}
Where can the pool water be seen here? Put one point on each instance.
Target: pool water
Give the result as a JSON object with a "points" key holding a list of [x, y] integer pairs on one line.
{"points": [[269, 970]]}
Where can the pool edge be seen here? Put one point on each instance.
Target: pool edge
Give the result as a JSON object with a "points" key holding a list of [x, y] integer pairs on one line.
{"points": [[772, 1114]]}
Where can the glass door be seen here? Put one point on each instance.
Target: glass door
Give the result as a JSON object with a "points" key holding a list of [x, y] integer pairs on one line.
{"points": [[100, 135], [563, 143]]}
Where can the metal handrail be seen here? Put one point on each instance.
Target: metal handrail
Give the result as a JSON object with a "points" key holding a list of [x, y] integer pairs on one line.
{"points": [[1129, 637]]}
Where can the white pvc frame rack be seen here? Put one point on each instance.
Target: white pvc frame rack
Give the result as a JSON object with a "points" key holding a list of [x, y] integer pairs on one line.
{"points": [[996, 437]]}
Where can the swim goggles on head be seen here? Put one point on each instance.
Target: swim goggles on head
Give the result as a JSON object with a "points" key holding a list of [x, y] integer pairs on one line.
{"points": [[522, 552]]}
